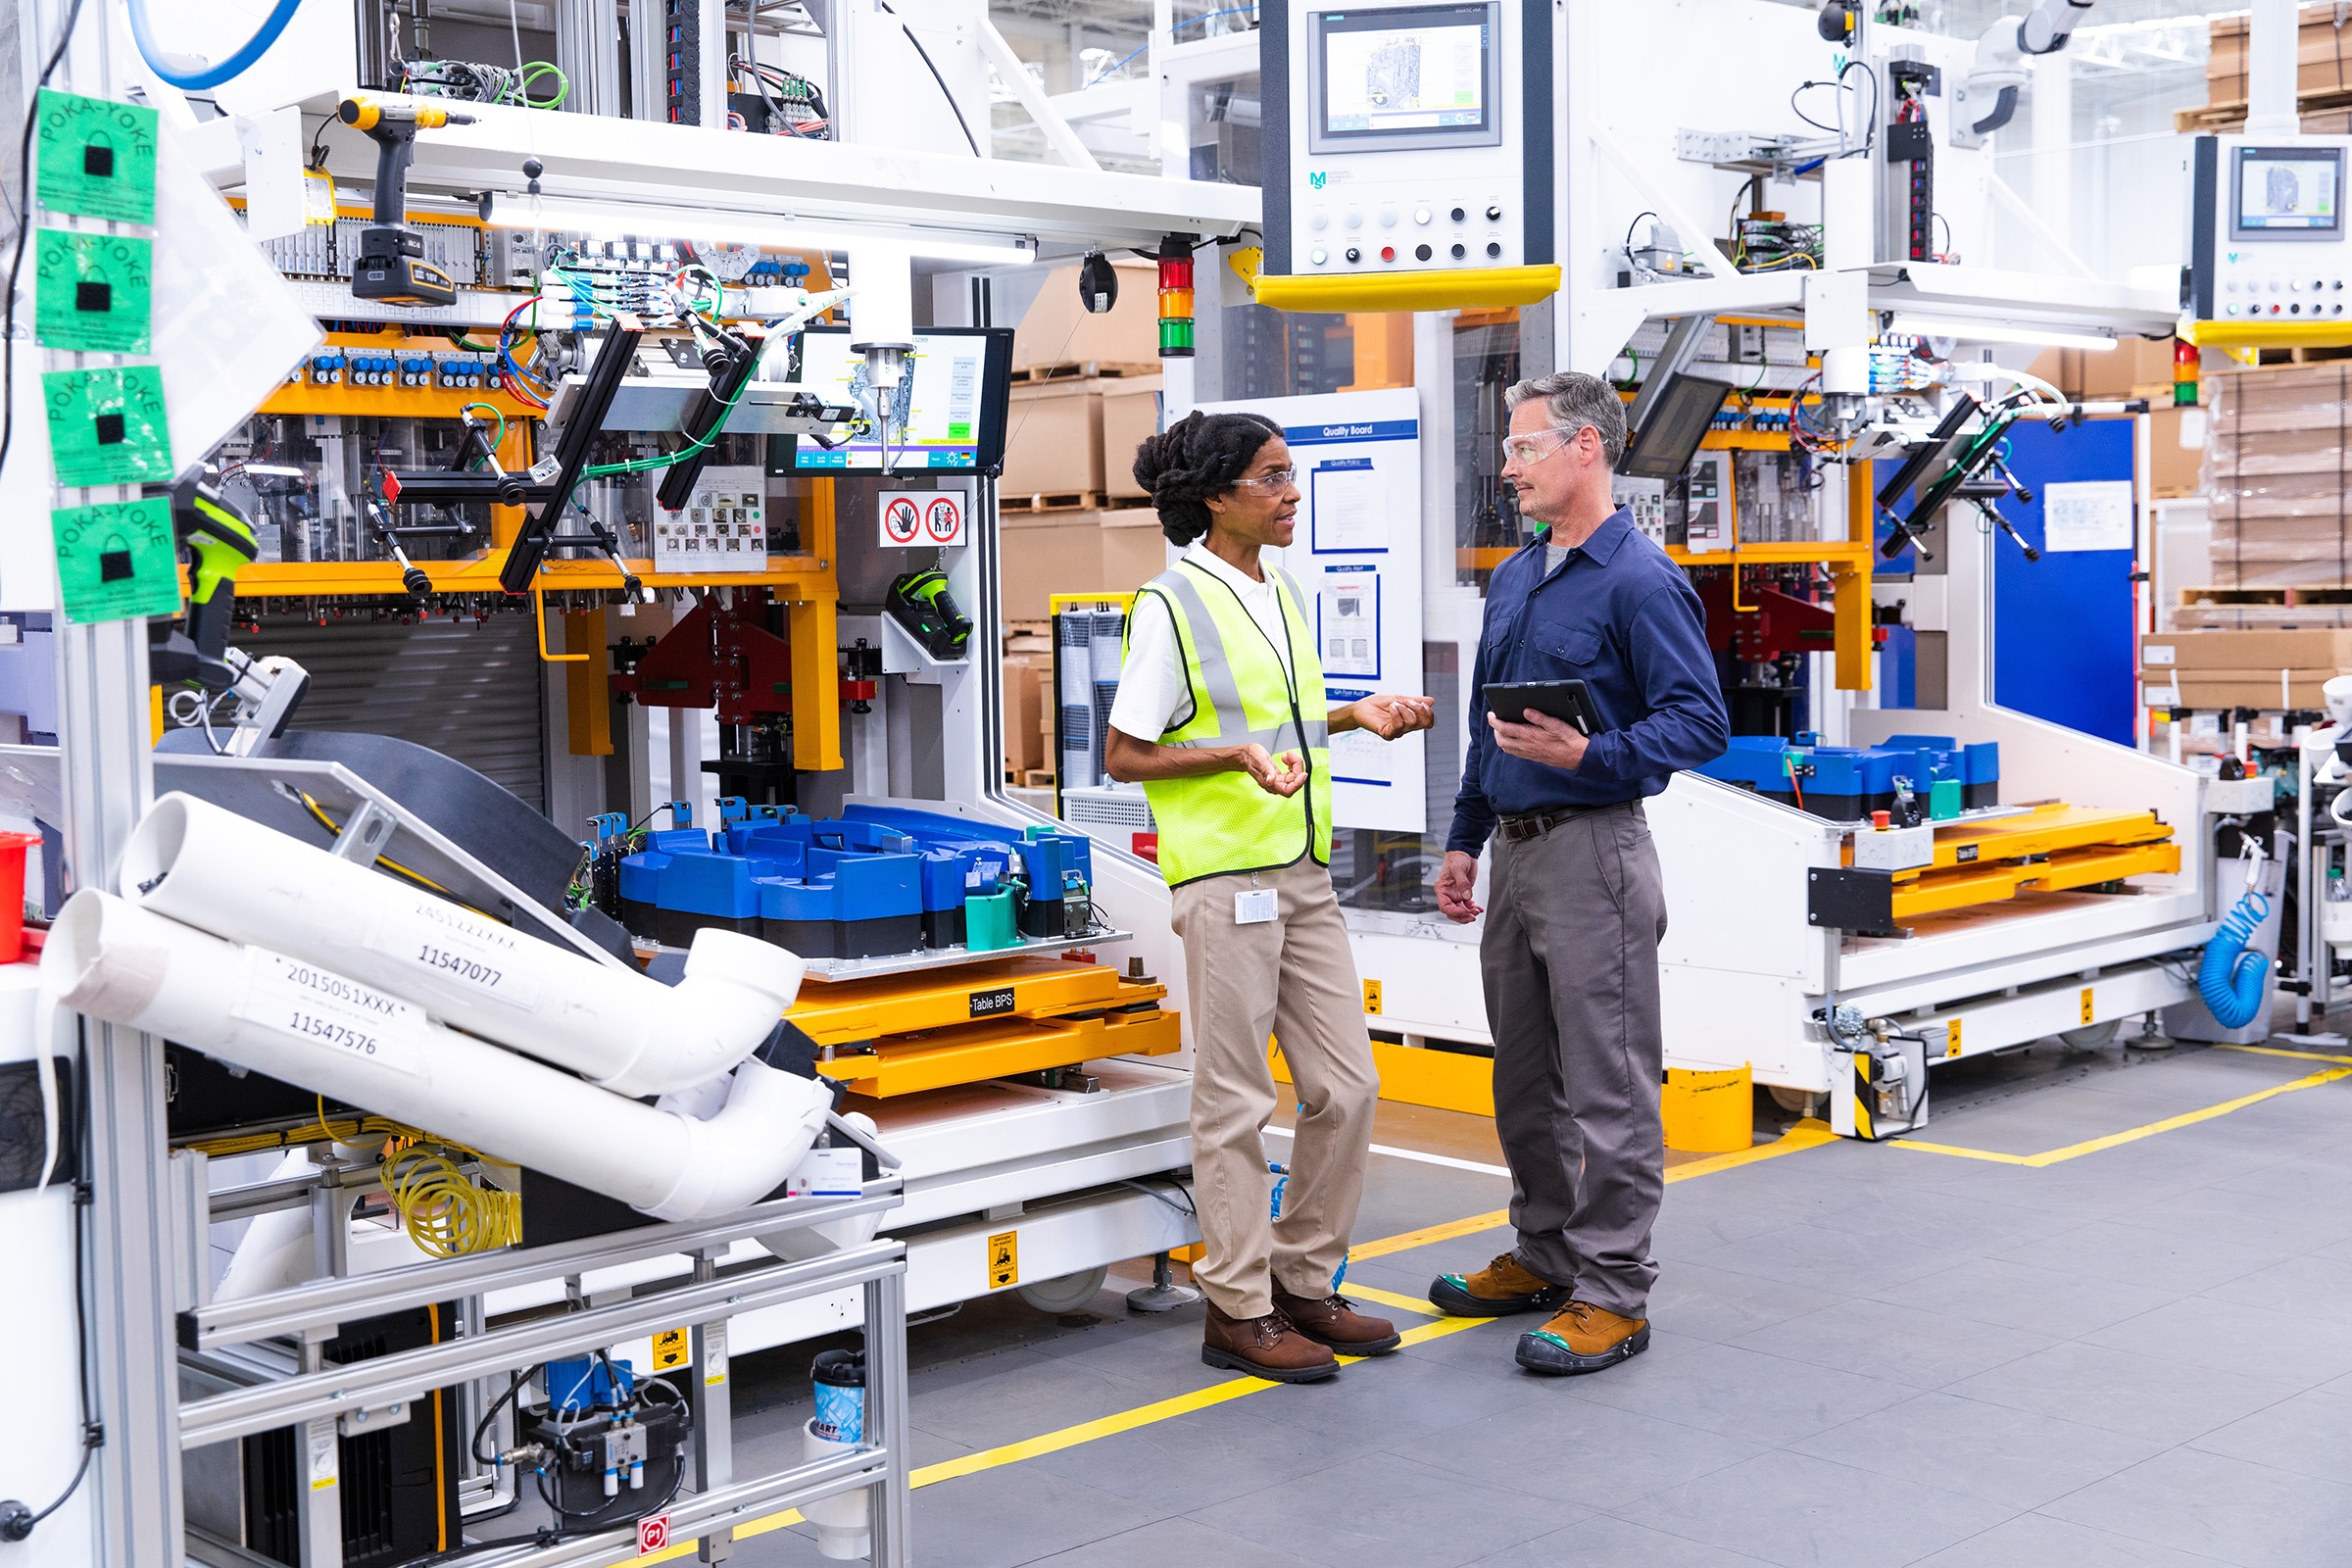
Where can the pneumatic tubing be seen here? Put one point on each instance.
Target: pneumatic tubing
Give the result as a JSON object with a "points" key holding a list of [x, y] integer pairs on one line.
{"points": [[208, 867], [115, 961]]}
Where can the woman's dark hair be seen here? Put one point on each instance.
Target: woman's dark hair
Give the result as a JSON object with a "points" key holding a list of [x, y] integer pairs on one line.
{"points": [[1200, 456]]}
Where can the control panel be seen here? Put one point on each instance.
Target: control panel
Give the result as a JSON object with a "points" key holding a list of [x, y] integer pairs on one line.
{"points": [[1407, 137], [2270, 242]]}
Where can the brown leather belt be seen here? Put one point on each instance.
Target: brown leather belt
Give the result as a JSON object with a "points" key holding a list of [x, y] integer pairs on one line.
{"points": [[1535, 824]]}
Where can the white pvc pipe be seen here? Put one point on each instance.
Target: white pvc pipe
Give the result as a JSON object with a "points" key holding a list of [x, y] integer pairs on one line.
{"points": [[217, 871], [334, 1036]]}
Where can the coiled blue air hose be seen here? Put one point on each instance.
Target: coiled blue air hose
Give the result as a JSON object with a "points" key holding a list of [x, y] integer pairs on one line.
{"points": [[250, 50], [2234, 982]]}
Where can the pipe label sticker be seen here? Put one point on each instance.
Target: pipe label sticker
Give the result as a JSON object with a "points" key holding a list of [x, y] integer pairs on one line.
{"points": [[301, 999], [459, 945]]}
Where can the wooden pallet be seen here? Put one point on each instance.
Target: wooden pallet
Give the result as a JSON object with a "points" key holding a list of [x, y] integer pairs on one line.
{"points": [[1055, 501], [2300, 594], [1036, 778], [1080, 369], [2218, 118]]}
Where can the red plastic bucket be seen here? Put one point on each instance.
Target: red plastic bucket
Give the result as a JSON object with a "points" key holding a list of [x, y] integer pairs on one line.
{"points": [[12, 893]]}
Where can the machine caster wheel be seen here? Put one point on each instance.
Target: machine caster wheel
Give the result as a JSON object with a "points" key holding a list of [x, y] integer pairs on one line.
{"points": [[1067, 1294], [1795, 1101], [2090, 1037]]}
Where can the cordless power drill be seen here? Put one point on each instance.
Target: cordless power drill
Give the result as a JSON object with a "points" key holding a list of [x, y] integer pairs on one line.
{"points": [[391, 265]]}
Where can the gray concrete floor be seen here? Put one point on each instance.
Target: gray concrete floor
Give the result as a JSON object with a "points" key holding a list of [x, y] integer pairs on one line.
{"points": [[1861, 1354]]}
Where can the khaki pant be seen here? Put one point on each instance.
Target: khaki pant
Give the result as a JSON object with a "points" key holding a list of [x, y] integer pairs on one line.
{"points": [[1292, 977], [1570, 961]]}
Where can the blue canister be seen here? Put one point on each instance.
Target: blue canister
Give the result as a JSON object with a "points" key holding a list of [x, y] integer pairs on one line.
{"points": [[838, 1377]]}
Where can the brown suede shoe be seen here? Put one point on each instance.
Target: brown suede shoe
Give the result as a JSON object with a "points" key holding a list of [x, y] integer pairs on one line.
{"points": [[1502, 1288], [1583, 1338], [1269, 1346], [1335, 1321]]}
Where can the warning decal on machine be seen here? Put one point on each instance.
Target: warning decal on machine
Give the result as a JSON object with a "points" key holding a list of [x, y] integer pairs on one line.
{"points": [[301, 999], [670, 1348], [1003, 1260]]}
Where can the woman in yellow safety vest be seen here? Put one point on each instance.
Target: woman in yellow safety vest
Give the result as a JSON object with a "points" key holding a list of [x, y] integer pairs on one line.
{"points": [[1221, 717]]}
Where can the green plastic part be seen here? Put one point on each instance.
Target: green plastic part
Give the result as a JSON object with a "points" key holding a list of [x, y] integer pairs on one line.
{"points": [[989, 922], [1943, 800]]}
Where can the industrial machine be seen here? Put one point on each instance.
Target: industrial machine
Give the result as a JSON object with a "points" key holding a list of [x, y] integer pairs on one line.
{"points": [[1409, 154]]}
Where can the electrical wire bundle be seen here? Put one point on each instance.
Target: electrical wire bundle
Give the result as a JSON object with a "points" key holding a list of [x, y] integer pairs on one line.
{"points": [[472, 81], [446, 1212], [795, 105]]}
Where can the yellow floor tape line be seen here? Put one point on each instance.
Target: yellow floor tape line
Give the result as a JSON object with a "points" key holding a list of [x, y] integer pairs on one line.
{"points": [[1402, 1304], [1806, 1134], [2092, 1145]]}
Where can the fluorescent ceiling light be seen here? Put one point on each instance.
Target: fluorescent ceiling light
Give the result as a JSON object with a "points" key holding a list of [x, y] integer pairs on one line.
{"points": [[2001, 332], [614, 220]]}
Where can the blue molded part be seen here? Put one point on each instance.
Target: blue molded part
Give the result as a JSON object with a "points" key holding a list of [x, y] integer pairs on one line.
{"points": [[851, 887], [581, 1383], [1981, 764], [1045, 853], [1762, 762], [704, 883]]}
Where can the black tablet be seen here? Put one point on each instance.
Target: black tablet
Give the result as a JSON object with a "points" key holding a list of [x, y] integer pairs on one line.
{"points": [[1568, 701]]}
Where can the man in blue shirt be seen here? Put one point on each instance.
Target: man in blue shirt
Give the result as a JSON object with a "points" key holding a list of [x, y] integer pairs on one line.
{"points": [[1570, 951]]}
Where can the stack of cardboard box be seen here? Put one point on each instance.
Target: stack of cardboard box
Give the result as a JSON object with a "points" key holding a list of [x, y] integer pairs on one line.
{"points": [[1028, 703], [2322, 65], [2266, 670], [1086, 394], [2278, 463]]}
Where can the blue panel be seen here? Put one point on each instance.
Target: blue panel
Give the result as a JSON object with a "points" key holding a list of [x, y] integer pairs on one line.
{"points": [[2062, 645]]}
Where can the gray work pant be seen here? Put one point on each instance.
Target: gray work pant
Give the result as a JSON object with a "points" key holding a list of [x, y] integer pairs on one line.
{"points": [[1570, 956]]}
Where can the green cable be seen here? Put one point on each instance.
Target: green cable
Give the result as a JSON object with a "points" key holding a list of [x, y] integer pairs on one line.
{"points": [[521, 90], [501, 440]]}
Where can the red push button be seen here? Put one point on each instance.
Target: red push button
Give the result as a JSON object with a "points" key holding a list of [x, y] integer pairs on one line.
{"points": [[1388, 253]]}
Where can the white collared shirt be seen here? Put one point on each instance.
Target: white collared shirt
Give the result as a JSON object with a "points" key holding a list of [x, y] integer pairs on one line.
{"points": [[1152, 688]]}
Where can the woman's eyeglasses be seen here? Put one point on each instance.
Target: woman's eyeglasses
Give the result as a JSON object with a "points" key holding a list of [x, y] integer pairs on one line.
{"points": [[1280, 478]]}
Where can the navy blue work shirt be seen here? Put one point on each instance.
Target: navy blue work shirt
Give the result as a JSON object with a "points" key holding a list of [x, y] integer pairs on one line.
{"points": [[1620, 616]]}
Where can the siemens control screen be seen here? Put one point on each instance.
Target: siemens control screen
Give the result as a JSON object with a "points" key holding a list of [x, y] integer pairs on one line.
{"points": [[945, 415], [1409, 77], [2288, 193]]}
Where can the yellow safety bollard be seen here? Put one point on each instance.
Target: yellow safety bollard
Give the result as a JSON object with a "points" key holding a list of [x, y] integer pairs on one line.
{"points": [[1709, 1112]]}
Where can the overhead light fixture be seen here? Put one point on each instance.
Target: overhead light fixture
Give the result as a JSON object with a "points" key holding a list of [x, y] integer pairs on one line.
{"points": [[2001, 332], [607, 220]]}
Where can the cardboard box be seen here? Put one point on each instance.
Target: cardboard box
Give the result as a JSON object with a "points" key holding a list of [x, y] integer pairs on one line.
{"points": [[1025, 722], [1058, 328], [2136, 367], [2320, 651], [1076, 553], [1131, 413], [2263, 696], [1053, 440], [2176, 450]]}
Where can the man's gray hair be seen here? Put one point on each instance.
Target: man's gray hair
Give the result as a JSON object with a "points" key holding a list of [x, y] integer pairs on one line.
{"points": [[1574, 400]]}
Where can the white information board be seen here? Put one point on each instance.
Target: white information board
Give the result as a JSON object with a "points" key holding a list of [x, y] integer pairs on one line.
{"points": [[1358, 554], [2086, 514]]}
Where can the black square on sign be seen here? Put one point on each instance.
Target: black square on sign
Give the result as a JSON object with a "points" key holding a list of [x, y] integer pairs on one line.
{"points": [[94, 296], [98, 162], [110, 429], [113, 565]]}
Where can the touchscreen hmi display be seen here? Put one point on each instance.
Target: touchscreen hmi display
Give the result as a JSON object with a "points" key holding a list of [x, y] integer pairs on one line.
{"points": [[1425, 76], [2288, 193], [947, 414]]}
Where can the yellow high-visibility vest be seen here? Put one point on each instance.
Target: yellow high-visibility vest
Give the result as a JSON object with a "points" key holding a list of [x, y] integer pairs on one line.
{"points": [[1217, 824]]}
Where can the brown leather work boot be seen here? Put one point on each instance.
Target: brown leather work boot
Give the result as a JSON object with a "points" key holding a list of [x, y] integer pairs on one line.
{"points": [[1269, 1346], [1335, 1321], [1502, 1288], [1583, 1338]]}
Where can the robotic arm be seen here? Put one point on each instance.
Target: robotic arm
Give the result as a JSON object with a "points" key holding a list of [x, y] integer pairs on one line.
{"points": [[1986, 99]]}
